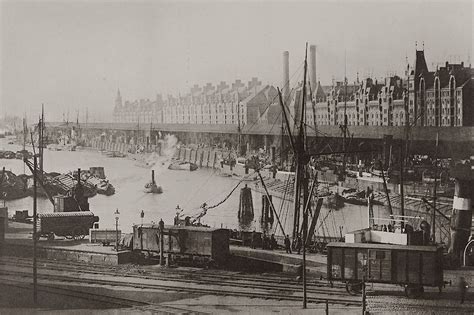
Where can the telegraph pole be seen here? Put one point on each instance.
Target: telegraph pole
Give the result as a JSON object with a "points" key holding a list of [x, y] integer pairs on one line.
{"points": [[433, 221], [239, 149], [41, 140], [402, 197], [35, 222]]}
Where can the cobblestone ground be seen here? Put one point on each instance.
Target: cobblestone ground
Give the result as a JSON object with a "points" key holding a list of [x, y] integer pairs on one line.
{"points": [[385, 300]]}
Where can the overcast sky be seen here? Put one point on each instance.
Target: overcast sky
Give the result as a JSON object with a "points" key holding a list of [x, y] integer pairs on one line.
{"points": [[71, 55]]}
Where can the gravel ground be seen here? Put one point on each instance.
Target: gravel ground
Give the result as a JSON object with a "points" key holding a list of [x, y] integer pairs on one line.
{"points": [[385, 299]]}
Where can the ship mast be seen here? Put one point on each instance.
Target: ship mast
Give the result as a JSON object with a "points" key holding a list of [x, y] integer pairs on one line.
{"points": [[282, 135], [299, 155], [301, 175], [239, 148], [41, 139], [301, 178], [344, 130]]}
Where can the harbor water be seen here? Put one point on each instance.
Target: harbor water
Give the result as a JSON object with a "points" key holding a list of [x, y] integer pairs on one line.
{"points": [[187, 189]]}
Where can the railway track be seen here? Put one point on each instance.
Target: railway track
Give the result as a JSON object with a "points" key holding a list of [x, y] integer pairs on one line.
{"points": [[279, 289], [176, 274], [105, 300]]}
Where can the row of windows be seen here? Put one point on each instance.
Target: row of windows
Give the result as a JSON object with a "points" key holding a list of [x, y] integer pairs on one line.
{"points": [[444, 122]]}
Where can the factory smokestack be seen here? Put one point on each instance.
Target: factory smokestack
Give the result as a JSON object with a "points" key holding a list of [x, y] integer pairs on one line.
{"points": [[312, 67], [286, 76]]}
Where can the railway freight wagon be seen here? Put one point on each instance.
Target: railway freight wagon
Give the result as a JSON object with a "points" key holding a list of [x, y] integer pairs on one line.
{"points": [[68, 224], [189, 243], [410, 266]]}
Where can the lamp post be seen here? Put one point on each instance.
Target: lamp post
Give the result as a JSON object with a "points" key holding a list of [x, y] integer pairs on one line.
{"points": [[117, 213]]}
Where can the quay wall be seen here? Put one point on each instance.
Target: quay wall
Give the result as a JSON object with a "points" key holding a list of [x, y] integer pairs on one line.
{"points": [[203, 157], [120, 147], [57, 253]]}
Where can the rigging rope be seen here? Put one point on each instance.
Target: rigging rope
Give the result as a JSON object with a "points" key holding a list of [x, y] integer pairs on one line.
{"points": [[228, 196], [200, 187], [283, 202]]}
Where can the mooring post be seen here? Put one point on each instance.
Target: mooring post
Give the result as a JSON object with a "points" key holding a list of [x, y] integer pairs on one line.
{"points": [[168, 256], [364, 306], [162, 247]]}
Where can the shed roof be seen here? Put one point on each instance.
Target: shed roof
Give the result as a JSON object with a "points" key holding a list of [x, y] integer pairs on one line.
{"points": [[176, 227], [385, 246]]}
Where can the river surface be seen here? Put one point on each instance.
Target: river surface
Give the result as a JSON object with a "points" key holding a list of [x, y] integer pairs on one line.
{"points": [[187, 189]]}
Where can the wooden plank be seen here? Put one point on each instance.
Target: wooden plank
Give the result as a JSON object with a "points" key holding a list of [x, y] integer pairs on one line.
{"points": [[187, 157], [361, 263], [414, 267], [429, 267], [336, 263], [193, 156], [349, 263], [205, 158]]}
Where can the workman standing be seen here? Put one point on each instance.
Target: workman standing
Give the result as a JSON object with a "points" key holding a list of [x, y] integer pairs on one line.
{"points": [[287, 244], [463, 288], [253, 240]]}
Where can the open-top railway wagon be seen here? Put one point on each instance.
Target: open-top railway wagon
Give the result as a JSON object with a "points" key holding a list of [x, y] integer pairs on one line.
{"points": [[198, 244], [75, 224], [410, 266]]}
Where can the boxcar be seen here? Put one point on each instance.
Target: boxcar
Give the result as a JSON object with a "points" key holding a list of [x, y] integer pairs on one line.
{"points": [[69, 224], [104, 236], [183, 242], [410, 266]]}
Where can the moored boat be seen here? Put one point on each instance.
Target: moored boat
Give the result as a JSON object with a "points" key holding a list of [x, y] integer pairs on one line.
{"points": [[183, 166], [115, 154], [357, 198]]}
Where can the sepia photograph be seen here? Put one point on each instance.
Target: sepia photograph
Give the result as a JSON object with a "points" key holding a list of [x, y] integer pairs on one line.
{"points": [[236, 156]]}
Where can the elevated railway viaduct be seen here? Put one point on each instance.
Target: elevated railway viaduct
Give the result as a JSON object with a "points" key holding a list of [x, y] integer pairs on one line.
{"points": [[453, 142]]}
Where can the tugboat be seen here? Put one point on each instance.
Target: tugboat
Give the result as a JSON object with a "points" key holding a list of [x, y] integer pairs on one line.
{"points": [[152, 187]]}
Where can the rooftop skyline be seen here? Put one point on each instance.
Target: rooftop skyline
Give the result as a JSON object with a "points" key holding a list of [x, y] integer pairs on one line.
{"points": [[75, 55]]}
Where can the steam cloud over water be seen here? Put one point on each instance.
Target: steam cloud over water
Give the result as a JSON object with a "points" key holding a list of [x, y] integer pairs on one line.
{"points": [[168, 149]]}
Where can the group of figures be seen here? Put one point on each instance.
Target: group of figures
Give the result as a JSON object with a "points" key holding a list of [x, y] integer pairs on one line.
{"points": [[264, 241]]}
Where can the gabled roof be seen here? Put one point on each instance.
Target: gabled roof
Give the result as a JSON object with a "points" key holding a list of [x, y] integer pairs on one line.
{"points": [[320, 92]]}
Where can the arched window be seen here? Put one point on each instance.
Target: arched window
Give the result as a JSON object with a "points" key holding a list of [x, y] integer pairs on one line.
{"points": [[437, 102], [422, 101], [452, 100]]}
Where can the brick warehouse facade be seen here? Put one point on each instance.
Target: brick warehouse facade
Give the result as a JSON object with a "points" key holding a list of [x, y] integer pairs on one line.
{"points": [[443, 98]]}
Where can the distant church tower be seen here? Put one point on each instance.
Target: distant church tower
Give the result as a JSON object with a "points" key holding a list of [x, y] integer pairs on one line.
{"points": [[118, 100]]}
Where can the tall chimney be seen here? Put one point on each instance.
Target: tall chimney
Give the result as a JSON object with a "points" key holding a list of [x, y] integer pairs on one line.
{"points": [[286, 75], [312, 67]]}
